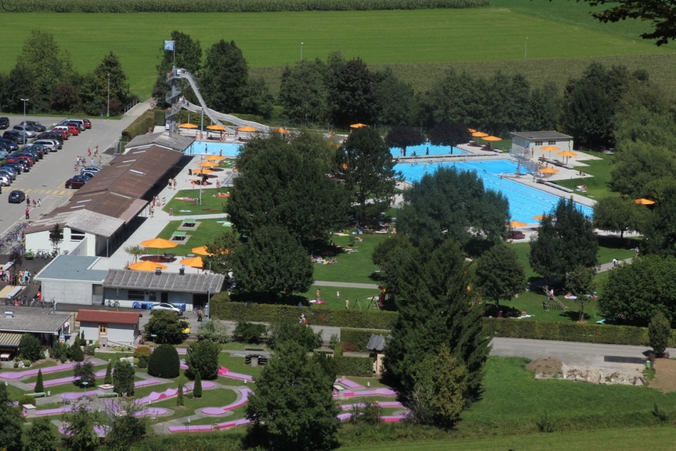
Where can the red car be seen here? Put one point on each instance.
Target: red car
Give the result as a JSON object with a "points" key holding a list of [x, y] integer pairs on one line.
{"points": [[73, 130], [16, 158], [64, 134], [77, 181], [88, 123]]}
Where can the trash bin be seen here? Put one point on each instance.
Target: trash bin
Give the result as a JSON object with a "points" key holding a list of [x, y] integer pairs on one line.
{"points": [[647, 364], [171, 212]]}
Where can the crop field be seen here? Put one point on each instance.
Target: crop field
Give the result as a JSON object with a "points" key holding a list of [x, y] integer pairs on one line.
{"points": [[479, 35]]}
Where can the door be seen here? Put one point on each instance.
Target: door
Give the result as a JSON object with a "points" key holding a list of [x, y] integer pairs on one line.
{"points": [[103, 330]]}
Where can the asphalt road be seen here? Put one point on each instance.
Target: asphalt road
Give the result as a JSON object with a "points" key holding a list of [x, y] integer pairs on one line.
{"points": [[46, 179]]}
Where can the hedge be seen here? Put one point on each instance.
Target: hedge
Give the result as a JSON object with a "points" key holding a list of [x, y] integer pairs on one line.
{"points": [[213, 6], [354, 366], [268, 313], [355, 340], [140, 126]]}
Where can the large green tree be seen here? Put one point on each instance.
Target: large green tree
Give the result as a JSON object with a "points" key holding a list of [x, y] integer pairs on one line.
{"points": [[303, 92], [449, 134], [225, 74], [94, 91], [436, 309], [203, 358], [282, 186], [123, 378], [499, 274], [399, 105], [402, 136], [11, 419], [293, 407], [660, 227], [367, 168], [127, 429], [616, 214], [639, 163], [448, 203], [354, 94], [659, 332], [166, 327], [271, 264], [544, 107], [79, 429], [188, 56], [40, 436], [563, 244]]}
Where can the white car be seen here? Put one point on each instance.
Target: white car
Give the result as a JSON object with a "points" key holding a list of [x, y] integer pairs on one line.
{"points": [[166, 307]]}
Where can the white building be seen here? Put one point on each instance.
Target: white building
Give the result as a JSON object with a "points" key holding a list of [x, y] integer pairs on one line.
{"points": [[68, 279], [534, 141], [108, 327]]}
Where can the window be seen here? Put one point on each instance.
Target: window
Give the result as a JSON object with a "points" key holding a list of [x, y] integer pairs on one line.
{"points": [[141, 295], [103, 329], [76, 236], [538, 143], [552, 143]]}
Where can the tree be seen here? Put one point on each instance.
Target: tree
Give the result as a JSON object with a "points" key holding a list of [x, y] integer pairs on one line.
{"points": [[224, 77], [637, 164], [164, 362], [222, 251], [127, 429], [40, 436], [84, 373], [659, 231], [563, 245], [399, 105], [299, 333], [76, 353], [282, 187], [634, 294], [167, 328], [30, 347], [367, 167], [271, 264], [449, 134], [39, 383], [456, 97], [616, 214], [303, 92], [293, 406], [179, 396], [123, 378], [580, 282], [436, 309], [202, 359], [659, 13], [257, 98], [108, 379], [79, 429], [499, 274], [659, 331], [11, 418], [354, 94], [135, 251], [197, 389], [544, 107], [56, 237], [403, 136], [450, 203], [188, 53], [94, 91]]}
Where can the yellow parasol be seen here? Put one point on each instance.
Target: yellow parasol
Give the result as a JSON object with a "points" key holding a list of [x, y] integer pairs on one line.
{"points": [[246, 128], [283, 131], [359, 125], [215, 158], [517, 224], [218, 128], [188, 125], [549, 148], [471, 130], [541, 217], [644, 201], [492, 138], [479, 134], [202, 250], [208, 164], [567, 153], [159, 243], [548, 170], [202, 171], [146, 266], [194, 262]]}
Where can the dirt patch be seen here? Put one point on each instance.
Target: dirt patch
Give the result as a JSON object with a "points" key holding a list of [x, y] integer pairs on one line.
{"points": [[546, 367], [665, 375]]}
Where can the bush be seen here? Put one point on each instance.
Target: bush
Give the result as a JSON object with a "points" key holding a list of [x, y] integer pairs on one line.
{"points": [[268, 313], [143, 360], [197, 389], [249, 332], [142, 350], [59, 351], [25, 399], [299, 333], [202, 358], [167, 327], [30, 348], [659, 333], [354, 366], [123, 378], [89, 350], [164, 362], [179, 396], [76, 353], [84, 372], [108, 379], [214, 331], [357, 339]]}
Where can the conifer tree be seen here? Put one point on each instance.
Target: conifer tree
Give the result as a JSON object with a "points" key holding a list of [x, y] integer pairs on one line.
{"points": [[179, 398], [39, 384], [109, 374], [197, 389]]}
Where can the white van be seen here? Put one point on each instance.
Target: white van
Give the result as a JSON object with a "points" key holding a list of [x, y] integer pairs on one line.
{"points": [[61, 128], [80, 123]]}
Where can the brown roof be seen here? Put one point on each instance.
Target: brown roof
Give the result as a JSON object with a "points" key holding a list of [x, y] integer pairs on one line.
{"points": [[176, 142], [105, 316]]}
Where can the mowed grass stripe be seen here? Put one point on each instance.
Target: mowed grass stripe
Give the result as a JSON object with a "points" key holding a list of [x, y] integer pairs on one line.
{"points": [[273, 39]]}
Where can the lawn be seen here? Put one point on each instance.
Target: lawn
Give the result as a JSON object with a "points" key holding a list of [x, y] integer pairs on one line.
{"points": [[273, 39], [597, 186], [332, 301], [210, 203], [205, 234], [351, 267], [236, 365], [210, 398]]}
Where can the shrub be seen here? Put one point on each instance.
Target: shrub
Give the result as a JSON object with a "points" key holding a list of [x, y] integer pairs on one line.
{"points": [[25, 399], [214, 331], [659, 332], [179, 397], [76, 353], [30, 347], [108, 379], [84, 372], [26, 363], [39, 384], [354, 366], [167, 327], [143, 360], [59, 350], [123, 378], [89, 350], [164, 362], [299, 333], [141, 350], [202, 359], [249, 332], [197, 389]]}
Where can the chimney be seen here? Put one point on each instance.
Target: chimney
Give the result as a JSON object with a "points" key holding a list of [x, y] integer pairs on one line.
{"points": [[158, 271]]}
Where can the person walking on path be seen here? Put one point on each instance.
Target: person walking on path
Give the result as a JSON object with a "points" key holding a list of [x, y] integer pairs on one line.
{"points": [[28, 213], [174, 183], [40, 203]]}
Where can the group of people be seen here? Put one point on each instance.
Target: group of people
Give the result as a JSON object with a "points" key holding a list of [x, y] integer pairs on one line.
{"points": [[171, 184]]}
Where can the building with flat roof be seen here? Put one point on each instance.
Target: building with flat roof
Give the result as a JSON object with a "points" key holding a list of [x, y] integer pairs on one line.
{"points": [[534, 141], [69, 279]]}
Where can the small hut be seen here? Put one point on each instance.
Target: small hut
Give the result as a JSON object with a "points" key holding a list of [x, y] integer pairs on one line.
{"points": [[376, 345]]}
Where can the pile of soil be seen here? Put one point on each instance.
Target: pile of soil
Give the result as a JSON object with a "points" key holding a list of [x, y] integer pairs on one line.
{"points": [[546, 367]]}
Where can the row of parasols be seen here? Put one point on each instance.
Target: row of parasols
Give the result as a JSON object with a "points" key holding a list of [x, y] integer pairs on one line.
{"points": [[161, 243], [210, 163], [220, 128]]}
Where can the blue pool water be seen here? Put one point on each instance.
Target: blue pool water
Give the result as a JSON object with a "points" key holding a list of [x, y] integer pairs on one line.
{"points": [[422, 149], [207, 148], [524, 202]]}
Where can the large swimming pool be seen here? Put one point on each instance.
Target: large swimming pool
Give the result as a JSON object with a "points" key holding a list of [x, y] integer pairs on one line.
{"points": [[524, 202], [426, 149]]}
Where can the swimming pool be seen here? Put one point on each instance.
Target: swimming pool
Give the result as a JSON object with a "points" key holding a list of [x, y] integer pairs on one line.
{"points": [[217, 148], [422, 149], [524, 202]]}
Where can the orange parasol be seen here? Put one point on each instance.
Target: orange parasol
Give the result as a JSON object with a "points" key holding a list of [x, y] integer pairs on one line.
{"points": [[246, 128], [202, 171], [541, 217], [202, 250], [188, 125], [492, 138], [208, 164], [644, 201], [283, 131], [359, 125], [479, 134], [517, 224], [218, 128], [549, 148], [215, 158], [548, 170], [194, 262], [146, 266]]}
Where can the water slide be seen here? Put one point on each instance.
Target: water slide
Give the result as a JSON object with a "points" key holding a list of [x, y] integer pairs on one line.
{"points": [[215, 116]]}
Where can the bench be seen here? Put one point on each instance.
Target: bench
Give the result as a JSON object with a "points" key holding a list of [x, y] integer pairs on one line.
{"points": [[40, 394], [107, 395]]}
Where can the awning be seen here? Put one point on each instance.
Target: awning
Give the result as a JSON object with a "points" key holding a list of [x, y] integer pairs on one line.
{"points": [[10, 339]]}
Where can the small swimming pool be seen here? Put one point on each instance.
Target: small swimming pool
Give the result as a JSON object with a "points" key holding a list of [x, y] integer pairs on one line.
{"points": [[524, 202], [215, 148], [423, 150]]}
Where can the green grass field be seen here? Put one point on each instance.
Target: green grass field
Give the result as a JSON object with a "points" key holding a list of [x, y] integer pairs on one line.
{"points": [[205, 234], [210, 203], [273, 39]]}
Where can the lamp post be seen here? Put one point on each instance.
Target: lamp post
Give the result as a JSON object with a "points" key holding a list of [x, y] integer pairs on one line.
{"points": [[24, 121], [301, 51], [525, 50], [108, 112]]}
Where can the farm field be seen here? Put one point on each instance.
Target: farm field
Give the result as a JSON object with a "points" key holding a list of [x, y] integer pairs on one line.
{"points": [[273, 39]]}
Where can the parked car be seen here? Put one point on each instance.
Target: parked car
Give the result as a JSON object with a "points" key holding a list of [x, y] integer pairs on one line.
{"points": [[88, 174], [62, 129], [3, 153], [50, 144], [79, 122], [56, 137], [5, 180], [91, 169], [38, 127], [8, 145], [15, 135], [16, 197], [9, 174], [87, 123], [166, 307], [18, 167], [4, 123], [26, 129], [75, 182]]}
